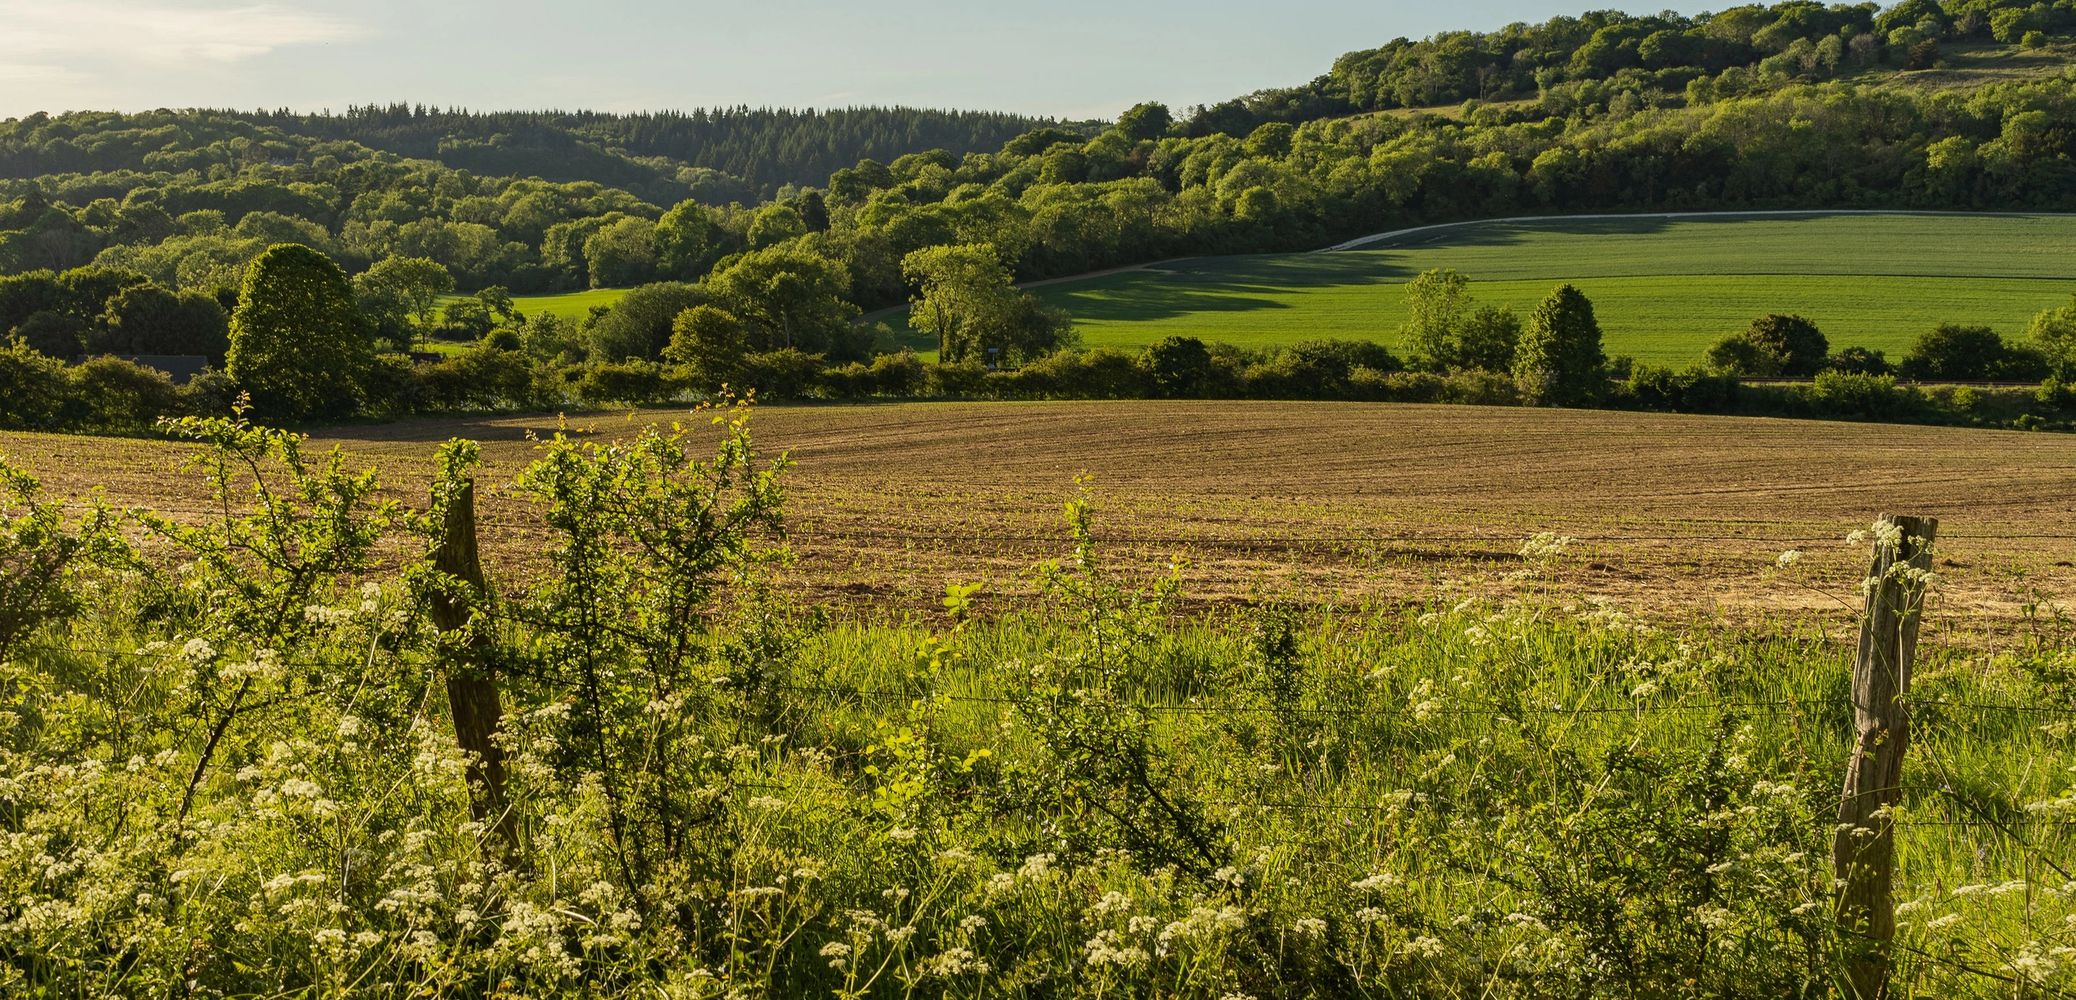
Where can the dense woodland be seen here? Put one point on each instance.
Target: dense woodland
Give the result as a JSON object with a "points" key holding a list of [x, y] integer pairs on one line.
{"points": [[1795, 105]]}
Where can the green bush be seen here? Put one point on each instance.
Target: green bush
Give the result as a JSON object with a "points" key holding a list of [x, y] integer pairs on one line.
{"points": [[786, 373], [1861, 361], [1870, 397], [34, 392], [633, 382], [483, 378], [1971, 353], [1692, 390], [955, 380], [1178, 367], [113, 395]]}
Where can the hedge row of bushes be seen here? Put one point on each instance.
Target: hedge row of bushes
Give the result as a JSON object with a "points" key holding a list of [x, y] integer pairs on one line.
{"points": [[108, 395]]}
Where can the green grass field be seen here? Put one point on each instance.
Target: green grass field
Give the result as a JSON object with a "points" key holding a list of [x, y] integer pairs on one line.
{"points": [[1664, 289], [573, 305]]}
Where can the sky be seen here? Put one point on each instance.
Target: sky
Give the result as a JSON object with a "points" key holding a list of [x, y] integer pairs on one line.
{"points": [[1057, 58]]}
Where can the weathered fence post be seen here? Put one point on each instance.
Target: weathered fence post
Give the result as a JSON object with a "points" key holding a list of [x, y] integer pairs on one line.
{"points": [[472, 694], [1863, 852]]}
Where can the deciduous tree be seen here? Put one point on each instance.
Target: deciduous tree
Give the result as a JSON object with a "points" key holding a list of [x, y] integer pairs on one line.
{"points": [[1559, 361], [299, 343], [401, 295]]}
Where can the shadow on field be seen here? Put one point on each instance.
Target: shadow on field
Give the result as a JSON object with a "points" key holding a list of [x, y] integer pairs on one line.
{"points": [[1217, 284], [1502, 234]]}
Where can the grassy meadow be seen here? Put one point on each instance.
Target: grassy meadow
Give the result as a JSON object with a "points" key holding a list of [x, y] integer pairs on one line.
{"points": [[1663, 289], [570, 305]]}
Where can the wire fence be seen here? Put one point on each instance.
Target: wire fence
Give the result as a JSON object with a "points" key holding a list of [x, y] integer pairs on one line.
{"points": [[810, 530], [1838, 709]]}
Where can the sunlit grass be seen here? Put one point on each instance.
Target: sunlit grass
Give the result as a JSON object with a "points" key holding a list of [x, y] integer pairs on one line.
{"points": [[1664, 290]]}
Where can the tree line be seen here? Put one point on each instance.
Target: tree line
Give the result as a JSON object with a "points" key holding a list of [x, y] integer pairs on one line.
{"points": [[302, 341], [728, 289]]}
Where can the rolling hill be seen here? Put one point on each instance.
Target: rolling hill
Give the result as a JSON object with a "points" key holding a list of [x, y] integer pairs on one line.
{"points": [[1664, 287]]}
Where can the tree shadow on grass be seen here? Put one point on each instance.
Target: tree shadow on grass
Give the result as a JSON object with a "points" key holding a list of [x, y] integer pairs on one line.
{"points": [[1500, 234], [1216, 284]]}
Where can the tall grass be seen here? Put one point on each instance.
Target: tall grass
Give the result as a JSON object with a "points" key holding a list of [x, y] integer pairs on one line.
{"points": [[1089, 795]]}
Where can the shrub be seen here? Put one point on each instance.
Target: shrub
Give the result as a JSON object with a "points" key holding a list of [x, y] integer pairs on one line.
{"points": [[786, 373], [899, 374], [1797, 342], [1861, 361], [483, 379], [1103, 373], [1693, 390], [1741, 354], [1178, 367], [111, 394], [850, 381], [211, 393], [389, 387], [1483, 387], [1970, 353], [955, 380], [634, 382], [1873, 397], [1411, 387], [33, 389]]}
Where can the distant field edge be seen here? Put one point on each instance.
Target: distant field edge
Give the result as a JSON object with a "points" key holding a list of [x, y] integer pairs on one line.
{"points": [[1362, 242]]}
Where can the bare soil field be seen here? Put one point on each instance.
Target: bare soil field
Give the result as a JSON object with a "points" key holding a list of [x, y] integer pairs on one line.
{"points": [[1673, 516]]}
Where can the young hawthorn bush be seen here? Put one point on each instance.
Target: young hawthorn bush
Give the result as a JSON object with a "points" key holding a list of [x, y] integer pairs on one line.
{"points": [[45, 558], [646, 537], [1104, 778]]}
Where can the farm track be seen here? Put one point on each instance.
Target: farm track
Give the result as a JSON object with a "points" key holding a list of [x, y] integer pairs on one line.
{"points": [[1674, 515]]}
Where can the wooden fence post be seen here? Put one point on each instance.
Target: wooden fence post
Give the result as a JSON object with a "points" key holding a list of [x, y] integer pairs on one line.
{"points": [[1863, 851], [472, 694]]}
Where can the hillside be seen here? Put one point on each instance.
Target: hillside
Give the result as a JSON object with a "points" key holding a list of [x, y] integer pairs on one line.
{"points": [[1664, 289], [744, 153], [1789, 107]]}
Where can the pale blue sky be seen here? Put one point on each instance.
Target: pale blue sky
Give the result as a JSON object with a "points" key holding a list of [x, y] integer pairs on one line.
{"points": [[1069, 58]]}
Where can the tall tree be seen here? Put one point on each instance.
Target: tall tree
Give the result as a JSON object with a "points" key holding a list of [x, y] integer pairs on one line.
{"points": [[711, 342], [1146, 121], [1801, 347], [400, 296], [151, 319], [2054, 335], [299, 343], [962, 290], [1559, 361], [791, 297], [1437, 304]]}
